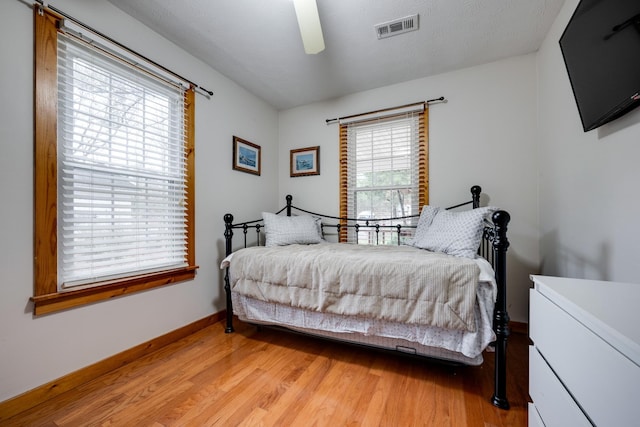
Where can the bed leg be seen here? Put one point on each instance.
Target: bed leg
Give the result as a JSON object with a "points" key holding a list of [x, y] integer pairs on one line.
{"points": [[499, 397], [227, 288]]}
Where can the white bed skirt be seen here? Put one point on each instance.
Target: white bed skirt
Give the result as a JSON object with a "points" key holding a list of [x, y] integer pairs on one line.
{"points": [[451, 345]]}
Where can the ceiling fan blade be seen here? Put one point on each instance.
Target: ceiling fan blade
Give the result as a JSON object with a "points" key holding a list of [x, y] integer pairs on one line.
{"points": [[309, 23]]}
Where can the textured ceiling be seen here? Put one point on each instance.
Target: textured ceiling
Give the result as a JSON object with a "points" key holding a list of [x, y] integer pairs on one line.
{"points": [[257, 44]]}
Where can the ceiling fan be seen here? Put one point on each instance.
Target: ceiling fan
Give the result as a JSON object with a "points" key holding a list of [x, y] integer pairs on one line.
{"points": [[309, 23]]}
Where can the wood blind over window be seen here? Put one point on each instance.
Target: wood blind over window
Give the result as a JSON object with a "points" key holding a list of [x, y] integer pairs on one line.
{"points": [[384, 155]]}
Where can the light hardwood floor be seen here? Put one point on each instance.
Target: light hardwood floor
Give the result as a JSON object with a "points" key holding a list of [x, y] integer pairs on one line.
{"points": [[274, 378]]}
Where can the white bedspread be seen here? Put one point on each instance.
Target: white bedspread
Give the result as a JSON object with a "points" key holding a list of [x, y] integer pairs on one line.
{"points": [[455, 345], [398, 284]]}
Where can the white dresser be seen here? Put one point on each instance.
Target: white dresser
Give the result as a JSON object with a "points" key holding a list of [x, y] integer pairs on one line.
{"points": [[584, 364]]}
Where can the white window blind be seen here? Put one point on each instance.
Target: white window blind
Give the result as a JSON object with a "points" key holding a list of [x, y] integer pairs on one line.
{"points": [[383, 169], [121, 169]]}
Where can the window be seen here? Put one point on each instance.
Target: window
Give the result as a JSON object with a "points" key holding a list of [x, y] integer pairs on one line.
{"points": [[383, 171], [114, 165]]}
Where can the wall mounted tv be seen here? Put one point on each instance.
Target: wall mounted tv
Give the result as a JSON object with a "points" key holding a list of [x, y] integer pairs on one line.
{"points": [[601, 50]]}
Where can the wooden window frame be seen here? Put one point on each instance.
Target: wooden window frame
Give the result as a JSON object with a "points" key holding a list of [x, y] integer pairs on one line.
{"points": [[47, 298], [423, 167]]}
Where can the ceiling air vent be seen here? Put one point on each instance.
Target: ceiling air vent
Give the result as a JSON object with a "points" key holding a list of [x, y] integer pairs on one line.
{"points": [[397, 26]]}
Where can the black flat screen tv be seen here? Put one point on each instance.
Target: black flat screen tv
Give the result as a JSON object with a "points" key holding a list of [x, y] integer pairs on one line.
{"points": [[601, 50]]}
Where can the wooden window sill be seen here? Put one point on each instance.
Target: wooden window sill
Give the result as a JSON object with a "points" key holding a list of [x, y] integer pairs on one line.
{"points": [[50, 303]]}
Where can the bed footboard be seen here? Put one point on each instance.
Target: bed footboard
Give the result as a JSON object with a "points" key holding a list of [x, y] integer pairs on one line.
{"points": [[494, 248]]}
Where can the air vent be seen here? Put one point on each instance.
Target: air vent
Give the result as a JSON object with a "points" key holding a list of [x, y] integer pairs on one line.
{"points": [[397, 26]]}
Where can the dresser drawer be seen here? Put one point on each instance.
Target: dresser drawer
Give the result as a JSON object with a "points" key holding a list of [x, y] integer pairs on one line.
{"points": [[552, 401], [603, 382]]}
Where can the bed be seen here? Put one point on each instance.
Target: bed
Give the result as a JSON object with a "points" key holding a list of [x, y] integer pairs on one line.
{"points": [[432, 285]]}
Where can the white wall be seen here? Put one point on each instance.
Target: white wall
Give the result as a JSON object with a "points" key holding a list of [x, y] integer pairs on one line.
{"points": [[34, 351], [485, 134], [588, 181]]}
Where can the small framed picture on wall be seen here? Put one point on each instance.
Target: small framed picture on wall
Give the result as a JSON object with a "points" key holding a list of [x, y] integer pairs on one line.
{"points": [[305, 161], [246, 156]]}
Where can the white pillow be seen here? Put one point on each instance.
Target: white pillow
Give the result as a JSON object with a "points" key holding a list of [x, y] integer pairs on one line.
{"points": [[425, 220], [283, 230], [456, 233]]}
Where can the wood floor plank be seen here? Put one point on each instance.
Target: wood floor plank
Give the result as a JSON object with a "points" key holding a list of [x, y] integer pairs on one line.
{"points": [[252, 390], [298, 393], [399, 407], [326, 395], [272, 378], [424, 407], [355, 387], [454, 400], [375, 410]]}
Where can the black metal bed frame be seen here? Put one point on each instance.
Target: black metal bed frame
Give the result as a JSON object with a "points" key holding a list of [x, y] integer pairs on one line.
{"points": [[493, 248]]}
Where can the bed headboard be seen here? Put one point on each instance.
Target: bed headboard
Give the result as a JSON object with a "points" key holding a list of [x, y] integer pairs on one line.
{"points": [[396, 230]]}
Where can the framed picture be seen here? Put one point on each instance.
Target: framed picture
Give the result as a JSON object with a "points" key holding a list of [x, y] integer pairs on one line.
{"points": [[246, 156], [305, 161]]}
